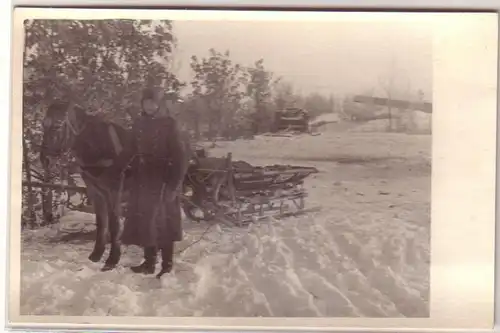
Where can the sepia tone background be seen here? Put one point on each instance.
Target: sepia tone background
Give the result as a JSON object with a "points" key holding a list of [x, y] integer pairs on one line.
{"points": [[433, 165], [365, 254]]}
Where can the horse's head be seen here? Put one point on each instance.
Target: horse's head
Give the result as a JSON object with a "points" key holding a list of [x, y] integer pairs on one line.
{"points": [[62, 122]]}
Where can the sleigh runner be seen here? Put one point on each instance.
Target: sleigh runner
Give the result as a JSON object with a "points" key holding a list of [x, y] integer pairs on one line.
{"points": [[237, 193]]}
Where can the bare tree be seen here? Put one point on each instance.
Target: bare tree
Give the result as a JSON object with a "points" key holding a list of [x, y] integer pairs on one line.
{"points": [[387, 84], [391, 85]]}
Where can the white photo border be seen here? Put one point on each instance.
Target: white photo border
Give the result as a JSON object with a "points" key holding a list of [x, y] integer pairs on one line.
{"points": [[465, 48]]}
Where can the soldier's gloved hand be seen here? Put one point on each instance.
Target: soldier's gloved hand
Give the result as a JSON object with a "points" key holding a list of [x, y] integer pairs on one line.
{"points": [[124, 162], [128, 171], [169, 195]]}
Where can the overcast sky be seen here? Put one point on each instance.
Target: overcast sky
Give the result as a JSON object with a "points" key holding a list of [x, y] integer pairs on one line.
{"points": [[328, 57]]}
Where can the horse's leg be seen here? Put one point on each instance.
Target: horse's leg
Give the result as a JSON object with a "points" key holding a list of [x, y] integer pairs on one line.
{"points": [[101, 214], [114, 231]]}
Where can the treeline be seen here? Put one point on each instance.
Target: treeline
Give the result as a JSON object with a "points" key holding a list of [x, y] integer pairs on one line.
{"points": [[229, 100], [104, 64]]}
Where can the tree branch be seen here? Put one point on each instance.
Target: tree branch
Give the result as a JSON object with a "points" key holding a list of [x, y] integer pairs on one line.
{"points": [[80, 189]]}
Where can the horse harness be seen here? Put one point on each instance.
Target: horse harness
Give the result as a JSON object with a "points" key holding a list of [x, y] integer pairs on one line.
{"points": [[95, 181]]}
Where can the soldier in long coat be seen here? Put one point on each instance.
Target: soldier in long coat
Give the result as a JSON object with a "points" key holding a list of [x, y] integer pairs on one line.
{"points": [[153, 219]]}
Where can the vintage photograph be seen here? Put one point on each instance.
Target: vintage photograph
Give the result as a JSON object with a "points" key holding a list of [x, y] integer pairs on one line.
{"points": [[226, 168]]}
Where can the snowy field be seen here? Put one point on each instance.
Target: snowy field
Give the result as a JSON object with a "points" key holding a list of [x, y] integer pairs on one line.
{"points": [[365, 253]]}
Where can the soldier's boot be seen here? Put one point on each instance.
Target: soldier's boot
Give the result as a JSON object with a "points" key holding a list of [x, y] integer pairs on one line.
{"points": [[167, 256], [149, 264]]}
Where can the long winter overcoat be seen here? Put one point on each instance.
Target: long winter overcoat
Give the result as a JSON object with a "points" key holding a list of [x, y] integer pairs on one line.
{"points": [[159, 165]]}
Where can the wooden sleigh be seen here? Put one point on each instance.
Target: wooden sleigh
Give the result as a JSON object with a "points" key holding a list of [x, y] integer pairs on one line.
{"points": [[236, 192]]}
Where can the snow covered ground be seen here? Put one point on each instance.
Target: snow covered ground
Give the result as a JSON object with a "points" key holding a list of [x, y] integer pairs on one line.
{"points": [[365, 253]]}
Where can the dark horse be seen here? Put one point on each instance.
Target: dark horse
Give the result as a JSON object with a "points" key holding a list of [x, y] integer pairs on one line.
{"points": [[96, 144]]}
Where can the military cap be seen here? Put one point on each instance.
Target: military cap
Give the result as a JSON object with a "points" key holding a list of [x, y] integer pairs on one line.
{"points": [[154, 93]]}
